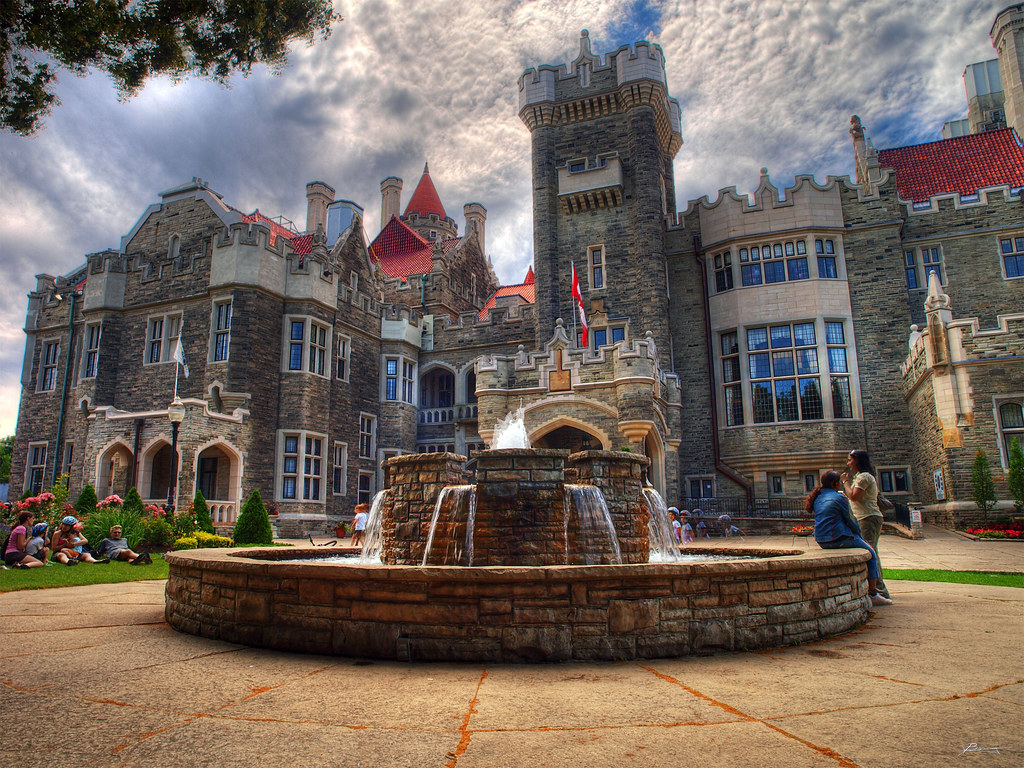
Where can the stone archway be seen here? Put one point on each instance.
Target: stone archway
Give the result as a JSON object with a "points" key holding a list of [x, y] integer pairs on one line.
{"points": [[569, 438], [570, 433], [218, 475], [155, 472], [113, 470], [655, 451]]}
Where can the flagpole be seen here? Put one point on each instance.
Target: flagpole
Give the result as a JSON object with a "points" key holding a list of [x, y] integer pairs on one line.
{"points": [[575, 338], [177, 366]]}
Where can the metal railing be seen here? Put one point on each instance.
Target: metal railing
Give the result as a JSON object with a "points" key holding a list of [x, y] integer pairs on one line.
{"points": [[774, 507]]}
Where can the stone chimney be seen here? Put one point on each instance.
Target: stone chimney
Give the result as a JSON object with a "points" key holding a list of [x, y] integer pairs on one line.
{"points": [[1007, 36], [475, 215], [390, 199], [318, 197]]}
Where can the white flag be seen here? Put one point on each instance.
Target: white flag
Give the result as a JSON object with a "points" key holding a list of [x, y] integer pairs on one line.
{"points": [[179, 356]]}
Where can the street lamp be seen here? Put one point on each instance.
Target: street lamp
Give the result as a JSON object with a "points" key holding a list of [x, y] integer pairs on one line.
{"points": [[175, 412]]}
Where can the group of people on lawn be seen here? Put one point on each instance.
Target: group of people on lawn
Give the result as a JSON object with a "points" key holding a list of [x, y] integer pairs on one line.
{"points": [[29, 547]]}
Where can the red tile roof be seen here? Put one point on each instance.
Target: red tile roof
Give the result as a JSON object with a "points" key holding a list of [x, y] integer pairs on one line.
{"points": [[524, 291], [529, 277], [302, 244], [425, 200], [964, 164], [276, 229], [402, 251]]}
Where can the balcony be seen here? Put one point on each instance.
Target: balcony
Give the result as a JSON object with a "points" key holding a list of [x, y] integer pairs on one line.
{"points": [[437, 415]]}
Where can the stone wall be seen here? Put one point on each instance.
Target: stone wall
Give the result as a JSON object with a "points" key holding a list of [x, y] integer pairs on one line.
{"points": [[515, 614], [619, 476]]}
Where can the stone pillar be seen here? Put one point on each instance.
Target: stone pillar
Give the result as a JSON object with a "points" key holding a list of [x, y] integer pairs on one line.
{"points": [[1007, 36], [390, 199], [415, 481], [318, 197], [520, 507], [619, 475]]}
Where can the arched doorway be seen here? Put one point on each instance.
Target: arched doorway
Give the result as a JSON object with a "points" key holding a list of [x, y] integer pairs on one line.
{"points": [[155, 475], [568, 437], [653, 450], [218, 478], [437, 396], [113, 470]]}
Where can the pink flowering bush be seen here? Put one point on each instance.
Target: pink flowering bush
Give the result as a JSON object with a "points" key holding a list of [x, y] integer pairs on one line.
{"points": [[113, 500]]}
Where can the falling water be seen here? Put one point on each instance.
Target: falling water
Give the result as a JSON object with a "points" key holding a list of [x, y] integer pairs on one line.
{"points": [[373, 541], [452, 524], [659, 529], [597, 537], [510, 432]]}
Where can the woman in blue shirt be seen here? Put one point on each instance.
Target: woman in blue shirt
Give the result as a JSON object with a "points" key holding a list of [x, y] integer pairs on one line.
{"points": [[836, 528]]}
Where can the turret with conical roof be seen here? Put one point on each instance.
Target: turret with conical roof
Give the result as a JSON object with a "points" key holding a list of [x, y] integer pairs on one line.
{"points": [[426, 214]]}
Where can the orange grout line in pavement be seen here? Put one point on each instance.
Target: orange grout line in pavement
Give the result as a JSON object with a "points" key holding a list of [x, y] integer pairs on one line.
{"points": [[826, 751], [466, 734], [894, 680]]}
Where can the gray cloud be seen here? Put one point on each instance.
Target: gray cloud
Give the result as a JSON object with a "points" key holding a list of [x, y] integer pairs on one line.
{"points": [[771, 83]]}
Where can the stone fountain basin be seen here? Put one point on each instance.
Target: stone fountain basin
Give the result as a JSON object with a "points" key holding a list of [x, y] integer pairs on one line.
{"points": [[516, 614]]}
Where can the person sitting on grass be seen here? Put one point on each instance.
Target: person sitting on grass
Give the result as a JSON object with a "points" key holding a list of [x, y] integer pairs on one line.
{"points": [[37, 544], [69, 545], [116, 548], [14, 549]]}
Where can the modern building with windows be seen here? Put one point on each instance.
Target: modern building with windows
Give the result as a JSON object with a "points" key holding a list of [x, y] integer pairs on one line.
{"points": [[745, 343]]}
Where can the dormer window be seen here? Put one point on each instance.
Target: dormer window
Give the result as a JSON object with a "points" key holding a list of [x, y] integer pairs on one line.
{"points": [[577, 167]]}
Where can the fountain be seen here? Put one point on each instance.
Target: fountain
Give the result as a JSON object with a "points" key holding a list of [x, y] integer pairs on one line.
{"points": [[518, 565]]}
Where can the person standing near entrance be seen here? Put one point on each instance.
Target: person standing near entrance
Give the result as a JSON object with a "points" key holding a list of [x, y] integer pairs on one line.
{"points": [[861, 489]]}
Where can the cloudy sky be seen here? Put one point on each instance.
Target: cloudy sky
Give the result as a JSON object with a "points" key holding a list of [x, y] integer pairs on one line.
{"points": [[768, 83]]}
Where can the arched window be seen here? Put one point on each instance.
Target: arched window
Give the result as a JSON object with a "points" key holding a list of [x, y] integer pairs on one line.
{"points": [[173, 247]]}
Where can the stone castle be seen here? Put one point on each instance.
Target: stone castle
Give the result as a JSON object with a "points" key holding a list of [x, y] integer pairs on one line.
{"points": [[744, 344]]}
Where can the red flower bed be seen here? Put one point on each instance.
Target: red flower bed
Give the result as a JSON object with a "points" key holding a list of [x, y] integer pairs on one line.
{"points": [[992, 532]]}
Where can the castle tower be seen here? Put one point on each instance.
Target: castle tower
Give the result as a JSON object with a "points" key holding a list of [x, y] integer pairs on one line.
{"points": [[426, 214], [390, 199], [603, 137], [476, 216], [318, 196], [1007, 35]]}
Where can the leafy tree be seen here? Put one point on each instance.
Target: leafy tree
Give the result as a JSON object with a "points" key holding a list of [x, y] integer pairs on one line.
{"points": [[201, 512], [6, 452], [85, 504], [133, 41], [133, 502], [1015, 477], [982, 487], [253, 524]]}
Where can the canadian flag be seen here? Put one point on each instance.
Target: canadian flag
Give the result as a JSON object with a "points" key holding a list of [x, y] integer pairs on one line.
{"points": [[578, 298]]}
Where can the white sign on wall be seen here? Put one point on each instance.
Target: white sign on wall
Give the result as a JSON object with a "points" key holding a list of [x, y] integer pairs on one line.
{"points": [[940, 485]]}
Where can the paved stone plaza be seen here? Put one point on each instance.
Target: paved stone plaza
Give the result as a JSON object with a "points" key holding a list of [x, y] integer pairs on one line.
{"points": [[94, 676]]}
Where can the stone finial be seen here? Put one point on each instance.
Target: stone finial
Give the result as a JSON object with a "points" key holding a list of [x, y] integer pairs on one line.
{"points": [[915, 336], [936, 298]]}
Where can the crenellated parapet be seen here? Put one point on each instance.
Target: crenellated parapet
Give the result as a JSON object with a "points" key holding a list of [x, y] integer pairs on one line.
{"points": [[806, 204], [251, 254], [590, 87]]}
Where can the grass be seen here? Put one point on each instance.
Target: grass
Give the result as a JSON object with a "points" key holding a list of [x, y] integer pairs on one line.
{"points": [[58, 575], [985, 578]]}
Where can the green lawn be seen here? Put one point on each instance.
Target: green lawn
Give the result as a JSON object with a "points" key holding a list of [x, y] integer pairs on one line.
{"points": [[63, 576], [957, 577], [58, 575]]}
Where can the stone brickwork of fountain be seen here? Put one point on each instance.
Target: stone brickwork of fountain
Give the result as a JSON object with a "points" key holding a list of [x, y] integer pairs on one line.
{"points": [[532, 579]]}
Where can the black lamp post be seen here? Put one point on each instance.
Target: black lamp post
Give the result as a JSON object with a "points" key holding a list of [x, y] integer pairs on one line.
{"points": [[175, 412]]}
